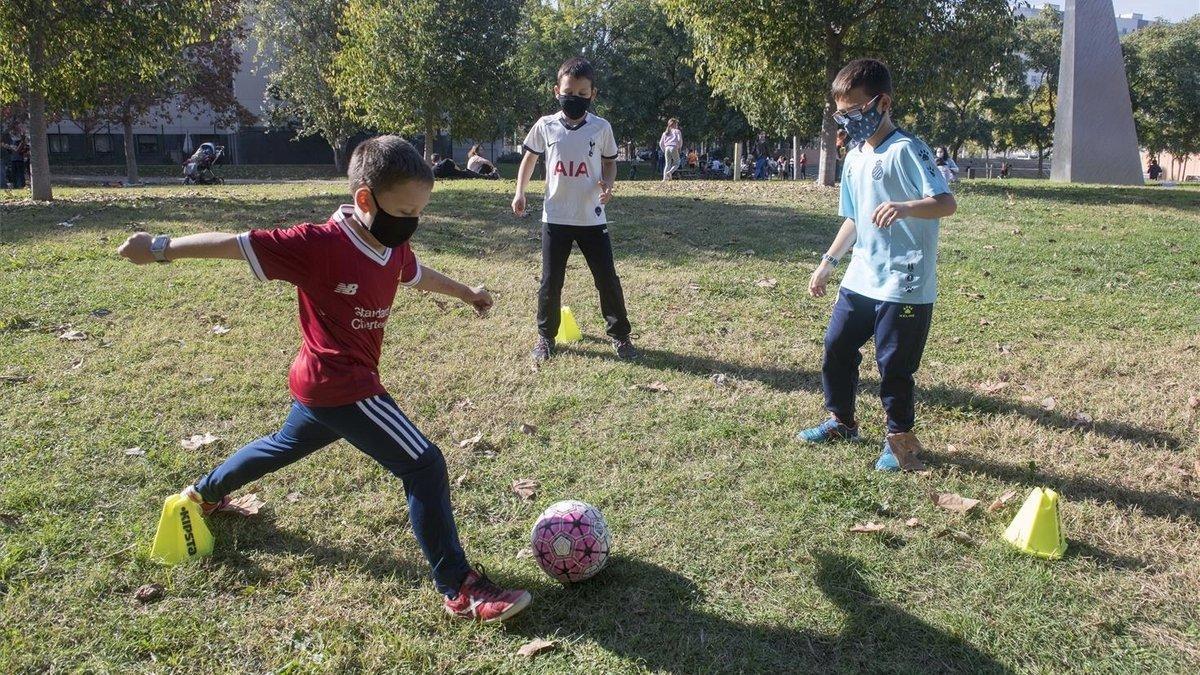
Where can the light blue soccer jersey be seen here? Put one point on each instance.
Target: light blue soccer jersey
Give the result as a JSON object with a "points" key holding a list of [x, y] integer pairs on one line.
{"points": [[897, 263]]}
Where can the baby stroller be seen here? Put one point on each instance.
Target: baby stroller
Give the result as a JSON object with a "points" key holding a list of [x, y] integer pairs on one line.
{"points": [[198, 168]]}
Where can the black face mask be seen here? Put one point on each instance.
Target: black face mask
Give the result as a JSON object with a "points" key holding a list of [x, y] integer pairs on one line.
{"points": [[390, 230], [574, 106]]}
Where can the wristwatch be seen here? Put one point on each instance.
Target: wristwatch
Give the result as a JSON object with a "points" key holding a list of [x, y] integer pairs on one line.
{"points": [[158, 248], [830, 259]]}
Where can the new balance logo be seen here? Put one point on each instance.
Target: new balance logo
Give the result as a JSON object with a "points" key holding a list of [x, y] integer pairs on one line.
{"points": [[346, 289]]}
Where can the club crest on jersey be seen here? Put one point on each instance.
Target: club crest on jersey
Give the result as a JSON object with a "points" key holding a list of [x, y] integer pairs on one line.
{"points": [[877, 172], [591, 147], [571, 169]]}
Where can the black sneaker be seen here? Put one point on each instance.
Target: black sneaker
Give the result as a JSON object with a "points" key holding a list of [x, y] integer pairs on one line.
{"points": [[624, 348], [542, 350]]}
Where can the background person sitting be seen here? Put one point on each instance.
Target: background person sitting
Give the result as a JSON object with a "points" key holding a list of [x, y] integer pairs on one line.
{"points": [[480, 164]]}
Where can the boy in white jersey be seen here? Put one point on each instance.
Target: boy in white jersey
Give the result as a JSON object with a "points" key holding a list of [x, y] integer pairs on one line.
{"points": [[581, 165]]}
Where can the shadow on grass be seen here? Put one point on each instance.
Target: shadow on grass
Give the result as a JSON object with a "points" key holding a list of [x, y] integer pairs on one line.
{"points": [[1182, 199], [941, 396], [472, 223], [261, 534], [1152, 502], [651, 615]]}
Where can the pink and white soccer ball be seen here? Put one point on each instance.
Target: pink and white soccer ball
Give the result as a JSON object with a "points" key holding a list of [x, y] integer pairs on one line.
{"points": [[571, 541]]}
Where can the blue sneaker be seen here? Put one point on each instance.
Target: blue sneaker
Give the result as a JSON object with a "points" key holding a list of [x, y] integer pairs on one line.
{"points": [[887, 461], [829, 430], [900, 453]]}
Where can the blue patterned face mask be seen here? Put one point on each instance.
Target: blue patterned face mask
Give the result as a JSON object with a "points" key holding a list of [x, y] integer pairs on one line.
{"points": [[860, 124]]}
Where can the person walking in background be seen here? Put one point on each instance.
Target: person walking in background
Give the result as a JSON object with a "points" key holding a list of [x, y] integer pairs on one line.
{"points": [[671, 143], [803, 165], [946, 165]]}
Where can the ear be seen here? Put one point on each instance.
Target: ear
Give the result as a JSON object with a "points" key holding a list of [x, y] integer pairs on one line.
{"points": [[556, 94], [362, 199], [885, 103]]}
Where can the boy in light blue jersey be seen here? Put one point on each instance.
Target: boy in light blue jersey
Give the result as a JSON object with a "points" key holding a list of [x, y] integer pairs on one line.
{"points": [[892, 196]]}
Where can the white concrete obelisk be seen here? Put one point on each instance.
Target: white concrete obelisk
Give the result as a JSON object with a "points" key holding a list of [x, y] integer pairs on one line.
{"points": [[1094, 137]]}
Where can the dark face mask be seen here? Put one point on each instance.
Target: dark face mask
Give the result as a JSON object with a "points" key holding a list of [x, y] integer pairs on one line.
{"points": [[574, 106], [390, 230]]}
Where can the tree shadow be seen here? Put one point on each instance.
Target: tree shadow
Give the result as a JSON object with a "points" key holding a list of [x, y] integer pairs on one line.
{"points": [[1182, 199], [652, 615], [674, 229]]}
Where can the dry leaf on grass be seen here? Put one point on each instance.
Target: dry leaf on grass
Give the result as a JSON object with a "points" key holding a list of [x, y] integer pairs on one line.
{"points": [[767, 283], [245, 506], [1193, 405], [525, 553], [293, 497], [464, 404], [1001, 501], [528, 429], [984, 322], [992, 387], [218, 329], [525, 488], [914, 522], [536, 646], [198, 441], [718, 379], [655, 386], [72, 335], [1005, 350], [134, 451], [462, 478], [149, 593], [952, 501], [1080, 419], [468, 442], [867, 527], [1049, 403]]}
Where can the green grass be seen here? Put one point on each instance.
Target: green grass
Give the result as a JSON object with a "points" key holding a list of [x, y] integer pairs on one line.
{"points": [[733, 550]]}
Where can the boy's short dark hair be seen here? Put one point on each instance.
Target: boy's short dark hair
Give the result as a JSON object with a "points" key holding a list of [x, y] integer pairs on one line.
{"points": [[577, 67], [385, 161], [870, 74]]}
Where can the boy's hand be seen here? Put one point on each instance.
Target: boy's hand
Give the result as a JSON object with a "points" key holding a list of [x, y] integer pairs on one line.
{"points": [[819, 279], [888, 212], [480, 299], [605, 192], [137, 249], [518, 204]]}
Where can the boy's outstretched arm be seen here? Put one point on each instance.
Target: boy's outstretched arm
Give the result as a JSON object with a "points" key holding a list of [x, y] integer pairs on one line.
{"points": [[938, 206], [204, 245], [608, 176], [842, 243], [523, 174], [434, 281]]}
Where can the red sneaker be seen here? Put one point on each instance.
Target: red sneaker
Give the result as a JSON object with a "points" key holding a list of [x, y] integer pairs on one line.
{"points": [[207, 508], [481, 600]]}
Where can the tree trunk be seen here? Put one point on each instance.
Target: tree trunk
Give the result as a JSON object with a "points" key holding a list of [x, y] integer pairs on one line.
{"points": [[131, 167], [39, 155], [827, 166], [339, 154], [429, 139], [1041, 160]]}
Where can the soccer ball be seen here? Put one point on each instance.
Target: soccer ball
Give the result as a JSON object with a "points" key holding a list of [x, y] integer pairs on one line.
{"points": [[571, 541]]}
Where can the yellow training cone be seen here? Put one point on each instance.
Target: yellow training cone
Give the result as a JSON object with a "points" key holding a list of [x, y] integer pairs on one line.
{"points": [[568, 330], [182, 534], [1037, 529]]}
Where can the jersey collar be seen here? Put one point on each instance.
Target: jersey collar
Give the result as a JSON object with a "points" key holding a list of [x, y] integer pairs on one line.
{"points": [[342, 217], [562, 117]]}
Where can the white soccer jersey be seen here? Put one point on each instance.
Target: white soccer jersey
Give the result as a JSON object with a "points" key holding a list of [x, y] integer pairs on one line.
{"points": [[572, 155]]}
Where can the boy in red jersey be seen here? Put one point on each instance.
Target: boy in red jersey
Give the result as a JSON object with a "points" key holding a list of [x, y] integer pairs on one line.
{"points": [[346, 273]]}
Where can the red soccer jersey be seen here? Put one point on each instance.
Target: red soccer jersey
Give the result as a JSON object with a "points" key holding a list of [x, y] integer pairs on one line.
{"points": [[345, 290]]}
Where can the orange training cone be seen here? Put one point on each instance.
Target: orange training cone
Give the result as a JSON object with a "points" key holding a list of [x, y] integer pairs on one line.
{"points": [[568, 329], [1037, 529]]}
